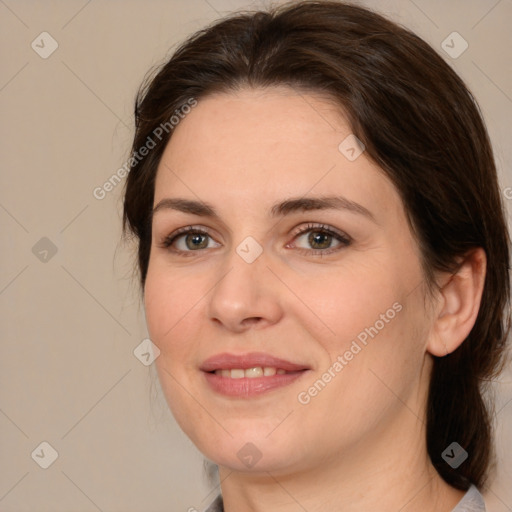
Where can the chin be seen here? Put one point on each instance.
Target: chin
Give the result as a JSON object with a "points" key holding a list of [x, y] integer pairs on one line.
{"points": [[249, 450]]}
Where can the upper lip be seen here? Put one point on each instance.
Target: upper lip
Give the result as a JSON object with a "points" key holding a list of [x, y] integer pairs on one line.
{"points": [[226, 361]]}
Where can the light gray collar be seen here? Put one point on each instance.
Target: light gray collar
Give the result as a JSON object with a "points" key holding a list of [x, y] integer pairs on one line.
{"points": [[472, 501]]}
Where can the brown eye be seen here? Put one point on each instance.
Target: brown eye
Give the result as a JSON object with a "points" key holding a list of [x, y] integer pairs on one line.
{"points": [[188, 239], [193, 241], [319, 240]]}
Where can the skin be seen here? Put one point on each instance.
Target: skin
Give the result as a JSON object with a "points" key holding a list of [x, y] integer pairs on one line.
{"points": [[359, 444]]}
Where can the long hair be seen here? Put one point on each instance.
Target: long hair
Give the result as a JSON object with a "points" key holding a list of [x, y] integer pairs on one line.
{"points": [[418, 122]]}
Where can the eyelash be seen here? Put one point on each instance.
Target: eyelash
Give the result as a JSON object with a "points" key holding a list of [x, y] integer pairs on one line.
{"points": [[344, 239]]}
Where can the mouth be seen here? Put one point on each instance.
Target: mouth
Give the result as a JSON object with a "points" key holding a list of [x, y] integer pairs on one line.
{"points": [[251, 374]]}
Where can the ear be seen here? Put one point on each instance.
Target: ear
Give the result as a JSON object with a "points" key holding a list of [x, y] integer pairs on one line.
{"points": [[459, 303]]}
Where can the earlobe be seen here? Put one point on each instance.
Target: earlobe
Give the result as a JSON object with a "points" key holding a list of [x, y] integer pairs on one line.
{"points": [[459, 303]]}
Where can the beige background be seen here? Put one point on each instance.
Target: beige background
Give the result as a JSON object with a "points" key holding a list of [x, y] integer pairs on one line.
{"points": [[70, 324]]}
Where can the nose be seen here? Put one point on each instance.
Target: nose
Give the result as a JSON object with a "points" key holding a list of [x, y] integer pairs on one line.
{"points": [[247, 295]]}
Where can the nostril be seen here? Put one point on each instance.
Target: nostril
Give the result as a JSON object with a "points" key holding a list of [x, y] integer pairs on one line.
{"points": [[252, 320]]}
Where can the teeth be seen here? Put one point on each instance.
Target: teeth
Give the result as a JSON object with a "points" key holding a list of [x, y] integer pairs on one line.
{"points": [[258, 371], [254, 372]]}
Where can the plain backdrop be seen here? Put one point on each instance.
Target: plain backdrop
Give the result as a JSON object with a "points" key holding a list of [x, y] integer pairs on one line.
{"points": [[71, 313]]}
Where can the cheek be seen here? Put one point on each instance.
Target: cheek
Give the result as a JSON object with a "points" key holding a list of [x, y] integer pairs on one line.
{"points": [[378, 329], [170, 316], [369, 374], [169, 302], [355, 303]]}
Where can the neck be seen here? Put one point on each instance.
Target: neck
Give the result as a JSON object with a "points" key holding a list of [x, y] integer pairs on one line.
{"points": [[389, 472]]}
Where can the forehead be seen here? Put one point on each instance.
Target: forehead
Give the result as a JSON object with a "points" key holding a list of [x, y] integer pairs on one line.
{"points": [[269, 128], [259, 145]]}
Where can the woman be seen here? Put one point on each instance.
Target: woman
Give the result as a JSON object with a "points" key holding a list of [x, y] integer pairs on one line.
{"points": [[324, 261]]}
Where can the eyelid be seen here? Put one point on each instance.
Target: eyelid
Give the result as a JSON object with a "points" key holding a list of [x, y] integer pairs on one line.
{"points": [[310, 226]]}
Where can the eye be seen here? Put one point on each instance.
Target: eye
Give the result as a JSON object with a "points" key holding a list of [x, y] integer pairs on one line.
{"points": [[188, 239], [320, 238]]}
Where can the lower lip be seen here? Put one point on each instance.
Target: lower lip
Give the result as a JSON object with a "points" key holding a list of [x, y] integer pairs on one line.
{"points": [[249, 387]]}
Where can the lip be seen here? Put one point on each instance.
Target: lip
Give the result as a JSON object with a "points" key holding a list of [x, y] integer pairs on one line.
{"points": [[226, 361], [249, 387]]}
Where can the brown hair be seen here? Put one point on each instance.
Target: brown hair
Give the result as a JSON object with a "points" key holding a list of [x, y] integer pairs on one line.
{"points": [[418, 122]]}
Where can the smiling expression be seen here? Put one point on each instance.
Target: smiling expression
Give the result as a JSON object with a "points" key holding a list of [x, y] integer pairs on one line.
{"points": [[271, 252]]}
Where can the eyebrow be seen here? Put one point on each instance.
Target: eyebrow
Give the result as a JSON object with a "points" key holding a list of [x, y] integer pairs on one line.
{"points": [[281, 209]]}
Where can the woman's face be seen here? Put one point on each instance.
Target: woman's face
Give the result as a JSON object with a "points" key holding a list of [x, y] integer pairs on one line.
{"points": [[330, 294]]}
